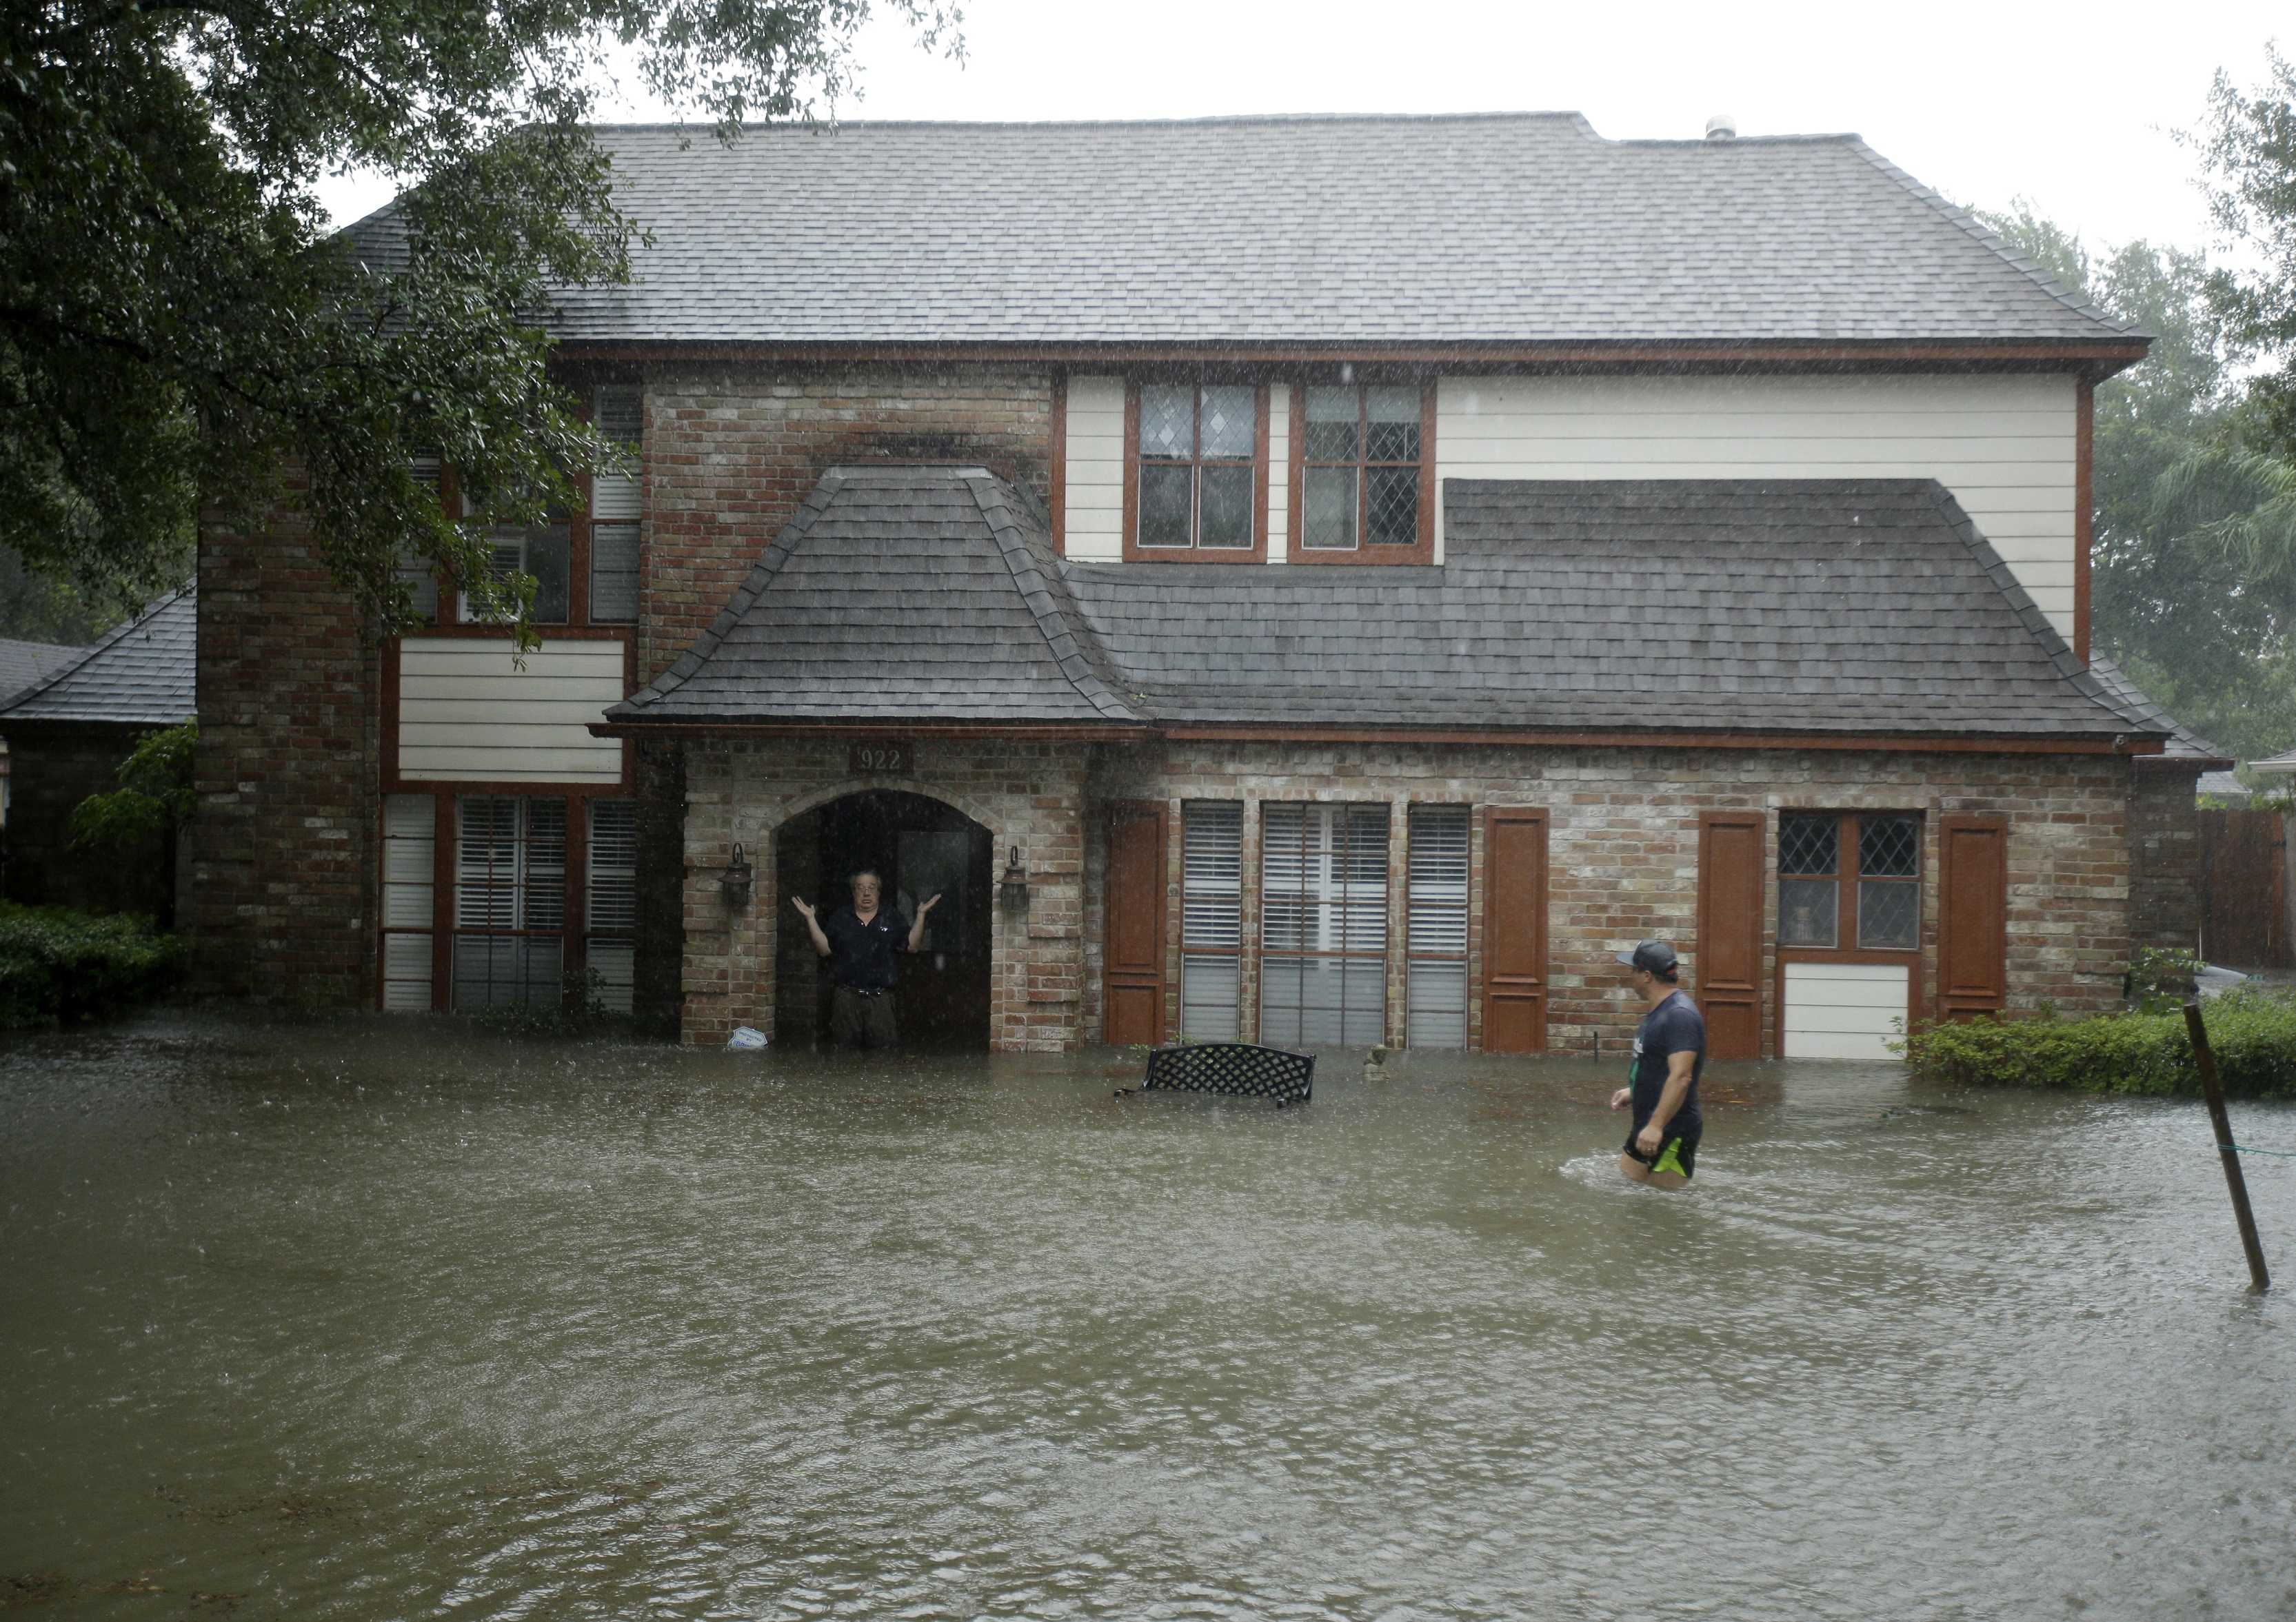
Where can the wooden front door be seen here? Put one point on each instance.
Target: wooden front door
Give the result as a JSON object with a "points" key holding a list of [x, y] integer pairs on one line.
{"points": [[1972, 915], [1132, 962], [1515, 931], [1730, 851]]}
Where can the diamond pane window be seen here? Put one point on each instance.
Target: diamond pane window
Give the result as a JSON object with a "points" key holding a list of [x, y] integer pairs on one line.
{"points": [[1362, 449], [1197, 461], [1809, 844], [1889, 846], [1392, 506], [1849, 881], [1888, 913], [1168, 420]]}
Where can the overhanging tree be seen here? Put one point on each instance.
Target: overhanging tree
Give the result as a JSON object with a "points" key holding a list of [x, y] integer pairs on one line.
{"points": [[177, 326]]}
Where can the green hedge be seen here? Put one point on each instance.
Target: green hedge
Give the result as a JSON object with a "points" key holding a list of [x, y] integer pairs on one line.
{"points": [[59, 964], [2252, 1033]]}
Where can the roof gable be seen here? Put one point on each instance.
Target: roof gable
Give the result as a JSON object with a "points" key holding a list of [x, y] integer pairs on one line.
{"points": [[1511, 228], [896, 593]]}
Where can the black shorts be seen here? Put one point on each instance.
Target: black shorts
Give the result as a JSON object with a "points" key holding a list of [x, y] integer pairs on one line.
{"points": [[1675, 1153]]}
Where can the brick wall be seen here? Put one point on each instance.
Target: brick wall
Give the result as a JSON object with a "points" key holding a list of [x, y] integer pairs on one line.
{"points": [[1030, 795], [1623, 852], [731, 454], [283, 878], [51, 770], [2164, 858]]}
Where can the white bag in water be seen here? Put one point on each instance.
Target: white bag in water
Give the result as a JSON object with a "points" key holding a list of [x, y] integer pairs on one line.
{"points": [[747, 1039]]}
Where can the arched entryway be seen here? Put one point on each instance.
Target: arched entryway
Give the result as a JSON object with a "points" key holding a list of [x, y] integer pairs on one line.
{"points": [[918, 845]]}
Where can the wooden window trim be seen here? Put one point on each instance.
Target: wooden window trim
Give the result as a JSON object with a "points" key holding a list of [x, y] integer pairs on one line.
{"points": [[1421, 550], [1133, 552], [1847, 824]]}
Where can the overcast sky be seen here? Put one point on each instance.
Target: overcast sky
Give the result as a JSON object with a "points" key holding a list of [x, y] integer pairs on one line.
{"points": [[2072, 107]]}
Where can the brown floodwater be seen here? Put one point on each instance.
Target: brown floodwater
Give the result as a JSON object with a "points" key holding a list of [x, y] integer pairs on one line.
{"points": [[372, 1320]]}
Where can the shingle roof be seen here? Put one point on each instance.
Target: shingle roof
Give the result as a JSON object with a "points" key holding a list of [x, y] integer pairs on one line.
{"points": [[1521, 227], [919, 594], [1794, 606], [145, 673], [23, 663], [2184, 743]]}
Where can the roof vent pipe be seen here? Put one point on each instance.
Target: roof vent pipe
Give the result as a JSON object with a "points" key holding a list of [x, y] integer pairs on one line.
{"points": [[1721, 126]]}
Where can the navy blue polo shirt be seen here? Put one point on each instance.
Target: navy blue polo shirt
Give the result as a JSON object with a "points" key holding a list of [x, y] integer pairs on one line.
{"points": [[861, 955], [1675, 1026]]}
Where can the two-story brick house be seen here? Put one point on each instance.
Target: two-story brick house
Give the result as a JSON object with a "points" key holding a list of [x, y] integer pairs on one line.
{"points": [[1313, 579]]}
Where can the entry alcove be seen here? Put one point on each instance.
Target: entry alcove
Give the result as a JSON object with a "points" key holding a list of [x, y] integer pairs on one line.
{"points": [[917, 845]]}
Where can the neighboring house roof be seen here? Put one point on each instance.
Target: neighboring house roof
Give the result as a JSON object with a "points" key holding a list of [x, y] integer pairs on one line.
{"points": [[23, 663], [144, 673], [1868, 607], [1493, 228], [2184, 746]]}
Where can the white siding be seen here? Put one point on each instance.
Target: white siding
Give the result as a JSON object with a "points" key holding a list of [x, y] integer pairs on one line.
{"points": [[1842, 1011], [1095, 499], [1279, 472], [468, 714], [2003, 445]]}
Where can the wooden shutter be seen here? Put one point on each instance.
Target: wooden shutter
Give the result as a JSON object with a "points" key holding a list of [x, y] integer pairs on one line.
{"points": [[1731, 846], [1132, 969], [1972, 915], [1515, 931]]}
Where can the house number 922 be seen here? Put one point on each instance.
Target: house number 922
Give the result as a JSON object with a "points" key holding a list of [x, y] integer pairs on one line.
{"points": [[880, 758]]}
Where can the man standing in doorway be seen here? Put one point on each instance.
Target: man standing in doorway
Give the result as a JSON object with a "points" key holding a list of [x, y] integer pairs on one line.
{"points": [[1670, 1053], [859, 940]]}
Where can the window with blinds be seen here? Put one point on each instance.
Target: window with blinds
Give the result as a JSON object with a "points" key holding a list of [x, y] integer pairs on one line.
{"points": [[617, 410], [1436, 962], [1211, 918], [611, 893], [1322, 897], [420, 575], [510, 902], [409, 845]]}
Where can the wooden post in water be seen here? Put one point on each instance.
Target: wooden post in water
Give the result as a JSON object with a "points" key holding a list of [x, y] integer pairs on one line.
{"points": [[2259, 1279]]}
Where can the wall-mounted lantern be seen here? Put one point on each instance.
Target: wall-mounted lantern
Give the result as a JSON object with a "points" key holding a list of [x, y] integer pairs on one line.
{"points": [[1012, 890], [735, 885]]}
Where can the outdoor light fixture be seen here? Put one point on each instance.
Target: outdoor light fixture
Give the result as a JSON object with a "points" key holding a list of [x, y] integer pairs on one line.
{"points": [[735, 885], [1014, 890]]}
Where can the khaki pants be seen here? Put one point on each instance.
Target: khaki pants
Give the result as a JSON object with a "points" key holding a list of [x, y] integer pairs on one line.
{"points": [[862, 1021]]}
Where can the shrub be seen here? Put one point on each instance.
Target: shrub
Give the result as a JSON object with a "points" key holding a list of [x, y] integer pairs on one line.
{"points": [[59, 964], [2252, 1033]]}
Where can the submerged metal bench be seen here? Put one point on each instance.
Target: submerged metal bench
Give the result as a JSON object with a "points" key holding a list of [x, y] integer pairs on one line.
{"points": [[1238, 1068]]}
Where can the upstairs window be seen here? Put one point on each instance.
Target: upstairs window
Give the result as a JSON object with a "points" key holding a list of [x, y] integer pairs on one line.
{"points": [[544, 552], [617, 409], [1364, 489], [1196, 471]]}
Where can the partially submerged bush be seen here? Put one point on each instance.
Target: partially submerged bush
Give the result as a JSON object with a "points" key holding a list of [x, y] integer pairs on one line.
{"points": [[2252, 1033], [56, 963]]}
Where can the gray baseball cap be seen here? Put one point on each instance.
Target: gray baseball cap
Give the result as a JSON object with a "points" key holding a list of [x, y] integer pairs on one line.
{"points": [[1654, 955]]}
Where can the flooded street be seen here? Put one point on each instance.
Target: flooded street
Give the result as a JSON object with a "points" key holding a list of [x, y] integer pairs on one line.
{"points": [[374, 1321]]}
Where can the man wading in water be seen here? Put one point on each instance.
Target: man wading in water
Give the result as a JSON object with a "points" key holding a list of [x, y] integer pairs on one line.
{"points": [[1669, 1052], [859, 941]]}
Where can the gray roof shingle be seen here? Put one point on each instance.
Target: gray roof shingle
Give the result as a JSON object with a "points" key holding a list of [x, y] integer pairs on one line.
{"points": [[145, 673], [1498, 228], [2184, 743], [1777, 606], [24, 663], [896, 593]]}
